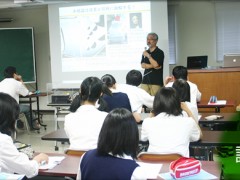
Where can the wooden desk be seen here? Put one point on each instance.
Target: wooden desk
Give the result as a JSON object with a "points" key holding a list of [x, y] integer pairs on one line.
{"points": [[217, 107], [30, 104], [69, 167], [221, 82]]}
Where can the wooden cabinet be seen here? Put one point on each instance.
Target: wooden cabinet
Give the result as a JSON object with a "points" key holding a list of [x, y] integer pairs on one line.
{"points": [[222, 82]]}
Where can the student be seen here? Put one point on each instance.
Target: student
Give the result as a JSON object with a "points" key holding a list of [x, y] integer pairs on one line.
{"points": [[183, 90], [181, 72], [169, 131], [116, 99], [83, 126], [116, 150], [11, 160], [14, 86], [137, 96]]}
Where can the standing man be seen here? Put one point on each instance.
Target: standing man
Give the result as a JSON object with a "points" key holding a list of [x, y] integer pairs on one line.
{"points": [[152, 62], [14, 86]]}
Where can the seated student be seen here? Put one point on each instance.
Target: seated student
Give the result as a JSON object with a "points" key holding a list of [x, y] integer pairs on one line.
{"points": [[83, 126], [183, 89], [11, 160], [116, 150], [116, 99], [181, 72], [137, 96], [169, 131], [14, 86]]}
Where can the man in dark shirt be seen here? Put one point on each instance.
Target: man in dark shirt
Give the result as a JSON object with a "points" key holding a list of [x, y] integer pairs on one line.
{"points": [[152, 62]]}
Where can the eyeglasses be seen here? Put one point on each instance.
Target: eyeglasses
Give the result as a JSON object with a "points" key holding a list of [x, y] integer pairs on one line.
{"points": [[151, 39]]}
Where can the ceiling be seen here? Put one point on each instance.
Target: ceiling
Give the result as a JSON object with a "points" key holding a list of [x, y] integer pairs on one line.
{"points": [[28, 3]]}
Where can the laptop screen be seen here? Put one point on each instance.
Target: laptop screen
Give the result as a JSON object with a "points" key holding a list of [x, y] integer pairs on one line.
{"points": [[197, 62]]}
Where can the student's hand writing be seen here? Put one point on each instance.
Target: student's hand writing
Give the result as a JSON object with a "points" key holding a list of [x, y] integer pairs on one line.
{"points": [[41, 157]]}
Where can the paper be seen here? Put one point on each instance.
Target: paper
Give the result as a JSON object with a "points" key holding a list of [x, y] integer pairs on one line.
{"points": [[219, 102], [201, 175], [213, 117], [151, 170], [52, 162], [6, 176]]}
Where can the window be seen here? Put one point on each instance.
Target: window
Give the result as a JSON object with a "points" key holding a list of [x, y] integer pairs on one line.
{"points": [[228, 28]]}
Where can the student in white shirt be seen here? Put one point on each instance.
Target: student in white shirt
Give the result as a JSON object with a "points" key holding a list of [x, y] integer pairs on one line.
{"points": [[11, 160], [169, 131], [183, 89], [14, 86], [83, 126], [137, 96], [181, 72], [116, 150]]}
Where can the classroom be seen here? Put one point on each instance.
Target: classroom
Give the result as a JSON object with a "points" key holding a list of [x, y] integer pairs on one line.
{"points": [[193, 32]]}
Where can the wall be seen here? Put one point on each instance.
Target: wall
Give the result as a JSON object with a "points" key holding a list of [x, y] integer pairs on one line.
{"points": [[38, 19], [196, 31]]}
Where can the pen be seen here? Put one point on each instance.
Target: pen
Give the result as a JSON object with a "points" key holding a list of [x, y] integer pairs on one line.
{"points": [[43, 163]]}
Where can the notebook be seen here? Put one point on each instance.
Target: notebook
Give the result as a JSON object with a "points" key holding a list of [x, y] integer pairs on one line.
{"points": [[231, 60], [197, 62]]}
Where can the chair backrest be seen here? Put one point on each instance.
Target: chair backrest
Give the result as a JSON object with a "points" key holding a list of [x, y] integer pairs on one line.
{"points": [[74, 152], [156, 157]]}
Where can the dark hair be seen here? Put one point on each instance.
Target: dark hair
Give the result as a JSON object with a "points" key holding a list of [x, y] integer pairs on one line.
{"points": [[76, 103], [180, 72], [108, 80], [119, 134], [167, 100], [155, 36], [183, 89], [9, 113], [9, 72], [134, 77], [91, 89]]}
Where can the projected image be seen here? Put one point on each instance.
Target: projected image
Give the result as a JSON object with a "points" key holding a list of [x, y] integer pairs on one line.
{"points": [[117, 31], [83, 36], [135, 20]]}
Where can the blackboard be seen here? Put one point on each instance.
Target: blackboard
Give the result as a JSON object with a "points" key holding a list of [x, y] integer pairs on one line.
{"points": [[17, 49]]}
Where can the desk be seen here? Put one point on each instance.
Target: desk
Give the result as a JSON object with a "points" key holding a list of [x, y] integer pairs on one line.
{"points": [[213, 139], [229, 121], [217, 107], [30, 104], [59, 113], [220, 82], [69, 166], [58, 135]]}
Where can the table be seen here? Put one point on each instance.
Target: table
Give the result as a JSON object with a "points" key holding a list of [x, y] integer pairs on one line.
{"points": [[213, 139], [30, 104], [229, 121], [59, 113], [69, 167], [217, 107]]}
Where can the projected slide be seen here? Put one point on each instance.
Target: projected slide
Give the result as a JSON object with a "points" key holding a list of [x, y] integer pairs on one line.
{"points": [[103, 37]]}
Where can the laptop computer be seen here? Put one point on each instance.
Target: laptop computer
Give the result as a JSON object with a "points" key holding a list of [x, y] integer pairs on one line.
{"points": [[231, 60], [197, 62]]}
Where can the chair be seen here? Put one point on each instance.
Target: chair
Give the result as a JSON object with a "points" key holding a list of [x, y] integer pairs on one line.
{"points": [[74, 152], [156, 157]]}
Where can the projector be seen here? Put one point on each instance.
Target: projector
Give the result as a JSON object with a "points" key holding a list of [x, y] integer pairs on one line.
{"points": [[61, 99]]}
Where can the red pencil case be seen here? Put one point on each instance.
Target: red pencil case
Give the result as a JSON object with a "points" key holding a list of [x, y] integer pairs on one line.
{"points": [[184, 167]]}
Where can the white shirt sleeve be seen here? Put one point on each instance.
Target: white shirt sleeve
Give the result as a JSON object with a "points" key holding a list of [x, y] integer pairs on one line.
{"points": [[144, 131], [13, 161]]}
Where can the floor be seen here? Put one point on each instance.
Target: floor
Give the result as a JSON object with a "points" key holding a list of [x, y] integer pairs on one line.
{"points": [[34, 138]]}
